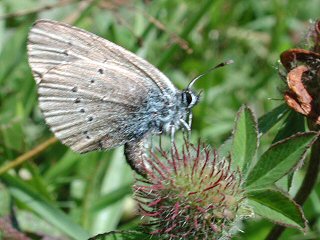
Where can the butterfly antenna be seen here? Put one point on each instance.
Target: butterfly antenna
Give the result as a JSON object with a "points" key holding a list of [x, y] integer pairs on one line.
{"points": [[209, 70]]}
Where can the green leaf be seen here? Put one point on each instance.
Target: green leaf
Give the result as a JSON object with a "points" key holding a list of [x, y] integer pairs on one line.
{"points": [[67, 163], [22, 192], [280, 159], [267, 121], [119, 174], [112, 197], [293, 124], [5, 201], [123, 235], [225, 148], [278, 208], [9, 62], [245, 139], [64, 166], [12, 135]]}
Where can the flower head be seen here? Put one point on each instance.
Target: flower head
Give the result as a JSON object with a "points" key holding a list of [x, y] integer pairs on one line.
{"points": [[303, 77], [190, 194]]}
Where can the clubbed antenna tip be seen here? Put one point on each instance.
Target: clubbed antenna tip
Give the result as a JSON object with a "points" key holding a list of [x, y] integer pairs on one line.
{"points": [[209, 70]]}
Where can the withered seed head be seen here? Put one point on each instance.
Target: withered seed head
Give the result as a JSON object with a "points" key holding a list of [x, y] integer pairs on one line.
{"points": [[303, 77]]}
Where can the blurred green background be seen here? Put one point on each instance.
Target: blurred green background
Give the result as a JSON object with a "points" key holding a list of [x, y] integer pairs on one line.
{"points": [[67, 195]]}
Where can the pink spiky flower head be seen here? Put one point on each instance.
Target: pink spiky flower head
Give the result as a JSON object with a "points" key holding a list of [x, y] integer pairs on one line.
{"points": [[190, 194]]}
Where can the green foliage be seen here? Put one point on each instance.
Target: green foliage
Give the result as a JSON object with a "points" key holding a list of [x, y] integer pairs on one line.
{"points": [[78, 196], [45, 209], [245, 139], [277, 207], [122, 235], [279, 160], [275, 163]]}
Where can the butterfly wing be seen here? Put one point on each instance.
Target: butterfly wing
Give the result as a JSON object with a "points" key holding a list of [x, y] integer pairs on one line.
{"points": [[93, 93]]}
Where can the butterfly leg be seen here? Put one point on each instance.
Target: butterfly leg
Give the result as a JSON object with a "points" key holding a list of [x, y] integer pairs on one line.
{"points": [[190, 120], [186, 126], [189, 123], [173, 131], [160, 142]]}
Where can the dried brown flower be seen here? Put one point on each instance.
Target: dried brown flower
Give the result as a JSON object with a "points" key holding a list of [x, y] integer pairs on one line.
{"points": [[303, 77]]}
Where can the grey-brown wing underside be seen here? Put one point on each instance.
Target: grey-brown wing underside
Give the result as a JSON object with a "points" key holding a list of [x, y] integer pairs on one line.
{"points": [[91, 91], [58, 42]]}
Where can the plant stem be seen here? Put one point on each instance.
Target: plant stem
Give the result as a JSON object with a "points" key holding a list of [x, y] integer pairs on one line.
{"points": [[306, 187], [26, 156]]}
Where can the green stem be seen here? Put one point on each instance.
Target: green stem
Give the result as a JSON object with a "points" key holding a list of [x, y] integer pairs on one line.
{"points": [[26, 156]]}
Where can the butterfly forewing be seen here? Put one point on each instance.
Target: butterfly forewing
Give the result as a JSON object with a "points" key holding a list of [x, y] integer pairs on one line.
{"points": [[52, 43], [93, 93]]}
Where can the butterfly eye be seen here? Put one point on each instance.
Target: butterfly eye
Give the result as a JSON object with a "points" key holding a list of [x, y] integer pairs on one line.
{"points": [[188, 98]]}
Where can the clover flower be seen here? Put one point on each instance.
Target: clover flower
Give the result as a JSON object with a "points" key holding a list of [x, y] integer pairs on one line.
{"points": [[190, 194]]}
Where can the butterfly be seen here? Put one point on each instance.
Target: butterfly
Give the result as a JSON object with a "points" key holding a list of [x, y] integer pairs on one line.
{"points": [[96, 95]]}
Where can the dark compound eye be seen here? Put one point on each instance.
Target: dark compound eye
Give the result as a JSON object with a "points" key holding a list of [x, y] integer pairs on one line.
{"points": [[188, 98]]}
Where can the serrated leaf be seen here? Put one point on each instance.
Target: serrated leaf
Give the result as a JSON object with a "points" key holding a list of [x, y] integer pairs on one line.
{"points": [[280, 159], [267, 121], [278, 208], [293, 124], [245, 139]]}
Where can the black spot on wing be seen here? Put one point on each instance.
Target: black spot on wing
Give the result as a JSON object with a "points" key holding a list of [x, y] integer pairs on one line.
{"points": [[74, 89]]}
